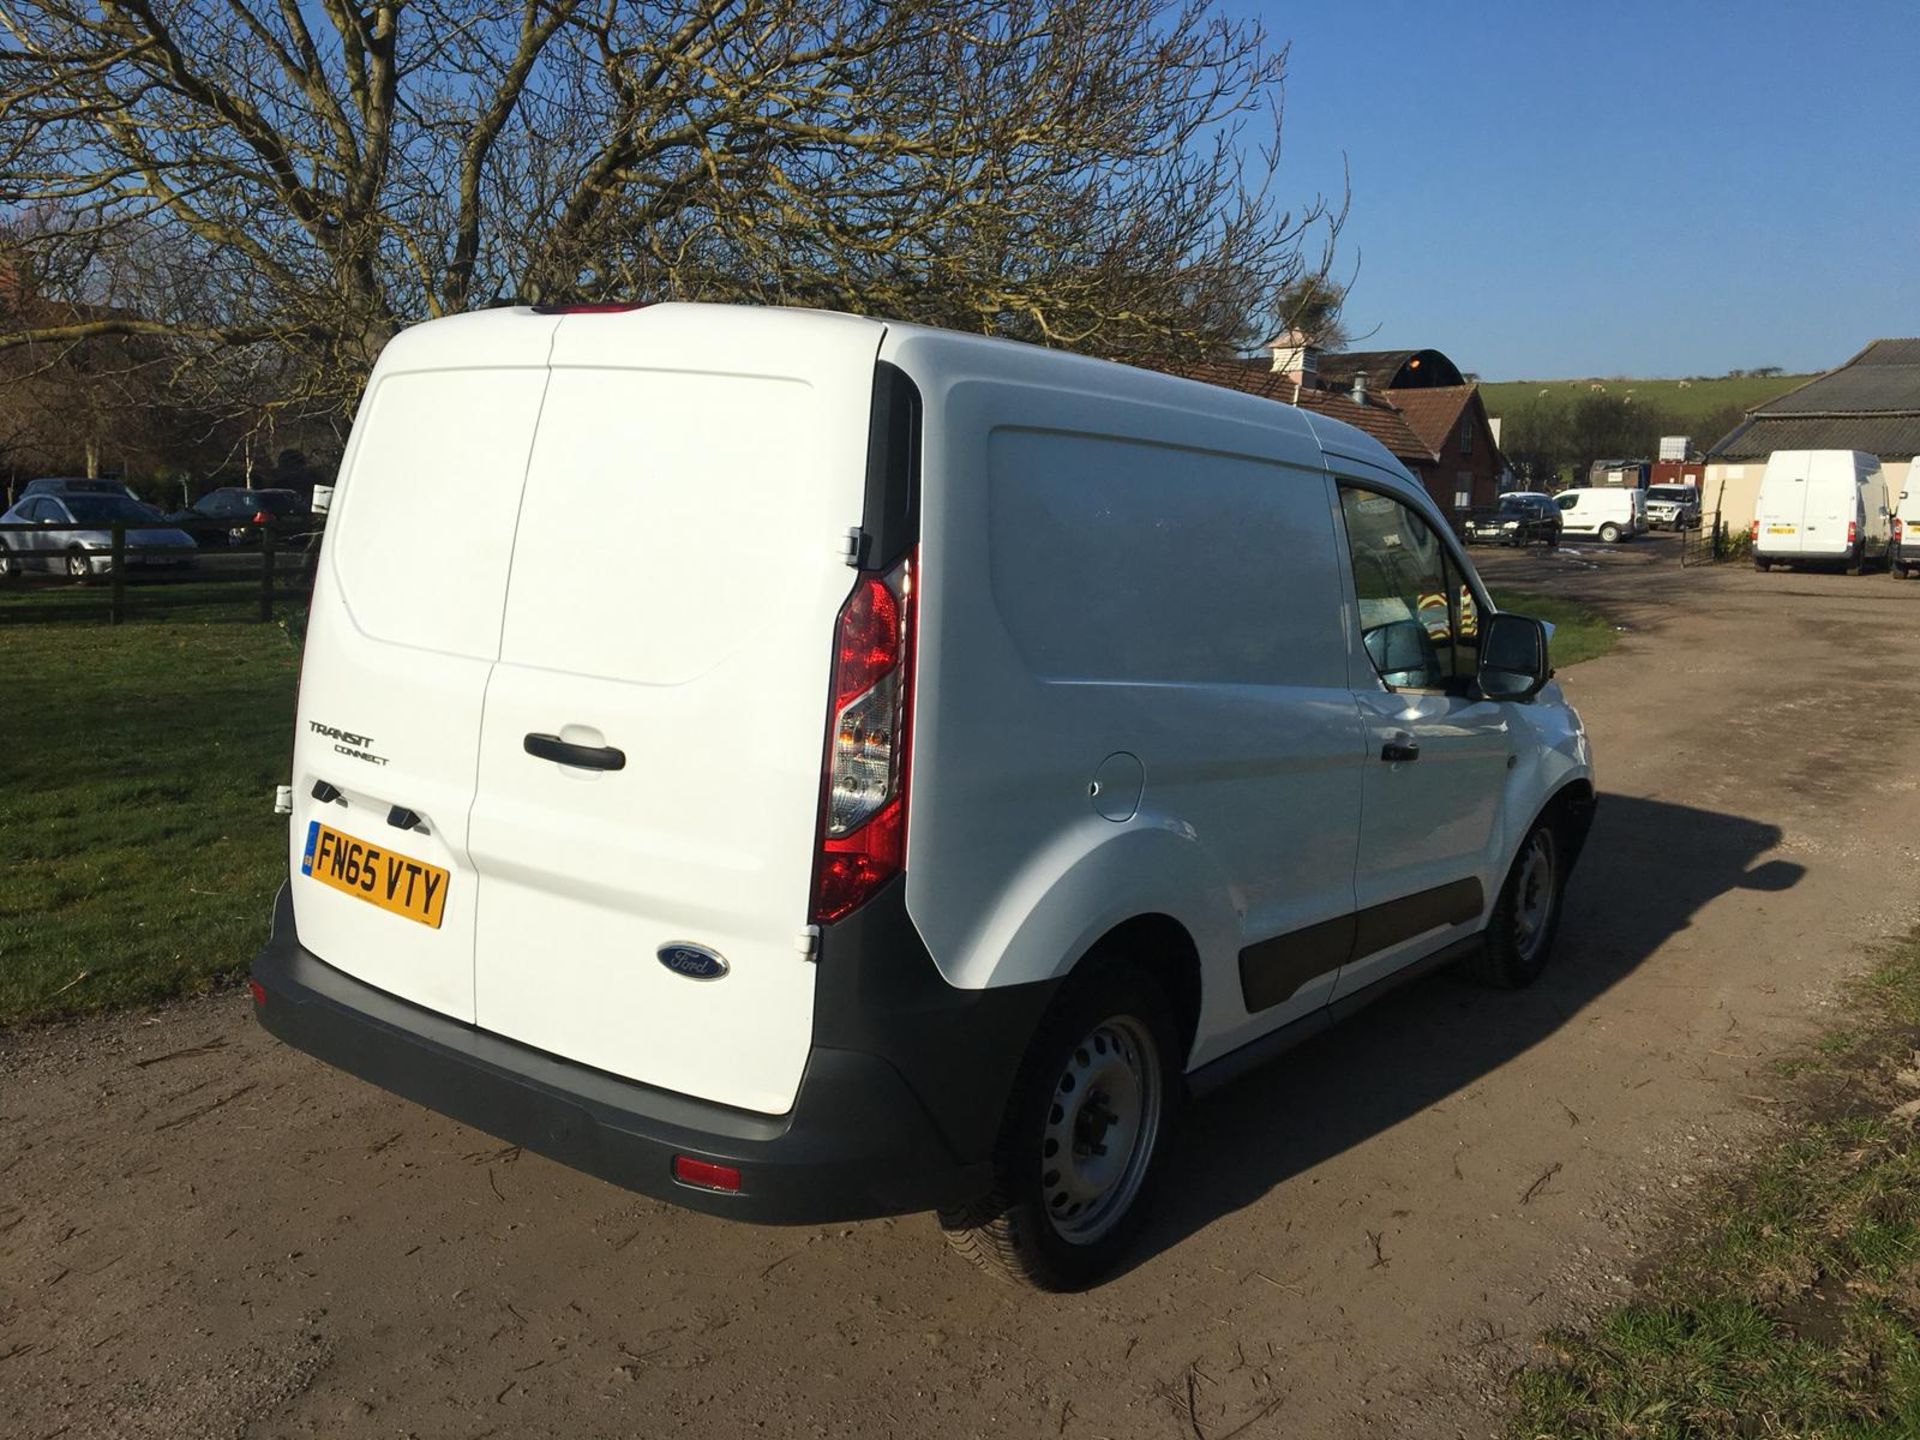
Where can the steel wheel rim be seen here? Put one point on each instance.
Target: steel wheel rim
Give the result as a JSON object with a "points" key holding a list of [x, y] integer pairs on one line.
{"points": [[1533, 895], [1102, 1122]]}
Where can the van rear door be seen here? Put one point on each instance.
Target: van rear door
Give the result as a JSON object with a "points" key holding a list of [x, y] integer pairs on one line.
{"points": [[650, 757], [1781, 508], [1833, 504], [404, 628]]}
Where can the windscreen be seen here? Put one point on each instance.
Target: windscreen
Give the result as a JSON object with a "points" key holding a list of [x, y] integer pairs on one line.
{"points": [[105, 509]]}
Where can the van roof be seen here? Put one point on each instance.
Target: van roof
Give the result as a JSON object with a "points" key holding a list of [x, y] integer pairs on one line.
{"points": [[522, 335]]}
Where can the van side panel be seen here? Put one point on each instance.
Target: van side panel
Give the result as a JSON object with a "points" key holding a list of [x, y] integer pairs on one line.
{"points": [[679, 566], [1133, 678], [404, 627]]}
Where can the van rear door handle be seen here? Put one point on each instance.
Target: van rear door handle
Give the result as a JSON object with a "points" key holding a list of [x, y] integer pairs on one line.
{"points": [[582, 757], [1396, 752]]}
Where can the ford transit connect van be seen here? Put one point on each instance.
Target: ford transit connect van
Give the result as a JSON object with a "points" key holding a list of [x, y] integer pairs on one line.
{"points": [[1822, 507], [1609, 513], [829, 768]]}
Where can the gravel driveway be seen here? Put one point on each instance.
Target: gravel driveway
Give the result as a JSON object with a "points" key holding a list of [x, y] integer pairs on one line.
{"points": [[202, 1233]]}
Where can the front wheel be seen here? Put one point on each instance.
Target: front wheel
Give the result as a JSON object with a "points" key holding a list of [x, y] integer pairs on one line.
{"points": [[79, 566], [1609, 533], [1090, 1110], [1527, 916]]}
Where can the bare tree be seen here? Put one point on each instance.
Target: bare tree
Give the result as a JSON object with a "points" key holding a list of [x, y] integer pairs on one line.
{"points": [[273, 187]]}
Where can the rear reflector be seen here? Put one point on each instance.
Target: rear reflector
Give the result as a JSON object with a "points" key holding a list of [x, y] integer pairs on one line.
{"points": [[706, 1174], [259, 992]]}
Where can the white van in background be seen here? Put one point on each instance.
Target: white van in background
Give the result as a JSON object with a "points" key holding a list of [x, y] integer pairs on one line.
{"points": [[1903, 552], [1610, 513], [833, 768], [1822, 507]]}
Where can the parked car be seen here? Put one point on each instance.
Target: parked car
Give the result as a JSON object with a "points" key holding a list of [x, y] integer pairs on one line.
{"points": [[1673, 507], [1522, 517], [1127, 785], [1610, 513], [73, 535], [75, 485], [1822, 507], [234, 515], [1903, 554]]}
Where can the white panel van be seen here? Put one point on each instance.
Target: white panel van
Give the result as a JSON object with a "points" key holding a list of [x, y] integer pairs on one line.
{"points": [[828, 768], [1609, 513], [1822, 507]]}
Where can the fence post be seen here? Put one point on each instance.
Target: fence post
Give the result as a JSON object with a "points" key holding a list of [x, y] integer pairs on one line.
{"points": [[117, 607], [266, 573]]}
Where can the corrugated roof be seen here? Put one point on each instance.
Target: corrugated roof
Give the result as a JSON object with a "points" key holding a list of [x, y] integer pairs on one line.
{"points": [[1390, 369], [1871, 403], [1377, 417], [1891, 437]]}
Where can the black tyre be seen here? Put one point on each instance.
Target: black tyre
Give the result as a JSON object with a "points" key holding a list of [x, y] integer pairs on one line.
{"points": [[1763, 566], [1527, 916], [1610, 533], [8, 566], [1857, 561], [1091, 1109], [79, 567]]}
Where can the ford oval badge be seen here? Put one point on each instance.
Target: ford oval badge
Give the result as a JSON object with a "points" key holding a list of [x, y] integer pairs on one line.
{"points": [[696, 962]]}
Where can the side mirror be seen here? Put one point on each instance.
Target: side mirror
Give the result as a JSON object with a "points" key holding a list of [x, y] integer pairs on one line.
{"points": [[1402, 652], [1513, 657]]}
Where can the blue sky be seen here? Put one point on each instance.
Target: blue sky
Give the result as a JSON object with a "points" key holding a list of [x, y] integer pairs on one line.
{"points": [[1555, 189]]}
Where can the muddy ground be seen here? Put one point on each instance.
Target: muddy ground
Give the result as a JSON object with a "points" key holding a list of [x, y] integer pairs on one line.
{"points": [[203, 1233]]}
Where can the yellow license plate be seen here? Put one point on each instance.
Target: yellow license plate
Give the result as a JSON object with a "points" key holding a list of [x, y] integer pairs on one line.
{"points": [[1780, 529], [385, 878]]}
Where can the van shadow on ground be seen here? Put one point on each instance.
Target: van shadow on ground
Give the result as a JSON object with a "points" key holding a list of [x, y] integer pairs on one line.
{"points": [[1647, 871]]}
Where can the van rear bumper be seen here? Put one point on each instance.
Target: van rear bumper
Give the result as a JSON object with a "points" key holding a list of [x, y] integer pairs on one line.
{"points": [[858, 1142]]}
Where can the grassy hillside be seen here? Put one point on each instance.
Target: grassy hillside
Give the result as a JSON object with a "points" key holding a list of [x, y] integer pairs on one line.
{"points": [[1687, 400]]}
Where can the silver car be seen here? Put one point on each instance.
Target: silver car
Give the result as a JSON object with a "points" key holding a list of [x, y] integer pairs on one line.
{"points": [[73, 535]]}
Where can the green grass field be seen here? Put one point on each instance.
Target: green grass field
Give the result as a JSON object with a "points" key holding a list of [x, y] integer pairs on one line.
{"points": [[1697, 400], [1796, 1309], [137, 833]]}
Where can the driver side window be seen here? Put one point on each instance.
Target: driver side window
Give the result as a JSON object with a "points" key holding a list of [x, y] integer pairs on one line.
{"points": [[1418, 619]]}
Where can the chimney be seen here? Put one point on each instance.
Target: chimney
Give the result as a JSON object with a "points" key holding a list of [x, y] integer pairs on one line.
{"points": [[1359, 393], [1296, 357]]}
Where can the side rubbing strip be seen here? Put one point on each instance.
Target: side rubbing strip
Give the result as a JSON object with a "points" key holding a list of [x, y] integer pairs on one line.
{"points": [[1411, 915], [1275, 970]]}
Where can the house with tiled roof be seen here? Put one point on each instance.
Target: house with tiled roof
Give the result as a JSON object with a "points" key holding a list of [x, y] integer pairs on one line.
{"points": [[1415, 402], [1871, 403]]}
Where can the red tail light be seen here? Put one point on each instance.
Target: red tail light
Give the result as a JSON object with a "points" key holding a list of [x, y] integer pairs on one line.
{"points": [[1899, 528], [1853, 531], [1754, 533], [260, 517], [863, 810]]}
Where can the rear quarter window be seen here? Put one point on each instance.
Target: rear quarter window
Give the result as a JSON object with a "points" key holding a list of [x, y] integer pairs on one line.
{"points": [[1121, 560]]}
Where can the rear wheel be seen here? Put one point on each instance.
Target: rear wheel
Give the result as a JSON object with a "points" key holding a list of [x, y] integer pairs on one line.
{"points": [[1857, 561], [1527, 916], [1090, 1110], [1610, 533], [1763, 566], [8, 567]]}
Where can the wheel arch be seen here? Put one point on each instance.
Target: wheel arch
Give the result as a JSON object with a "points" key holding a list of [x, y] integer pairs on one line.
{"points": [[1161, 946]]}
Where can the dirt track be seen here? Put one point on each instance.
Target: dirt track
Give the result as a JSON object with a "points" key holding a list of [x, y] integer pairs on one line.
{"points": [[202, 1233]]}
